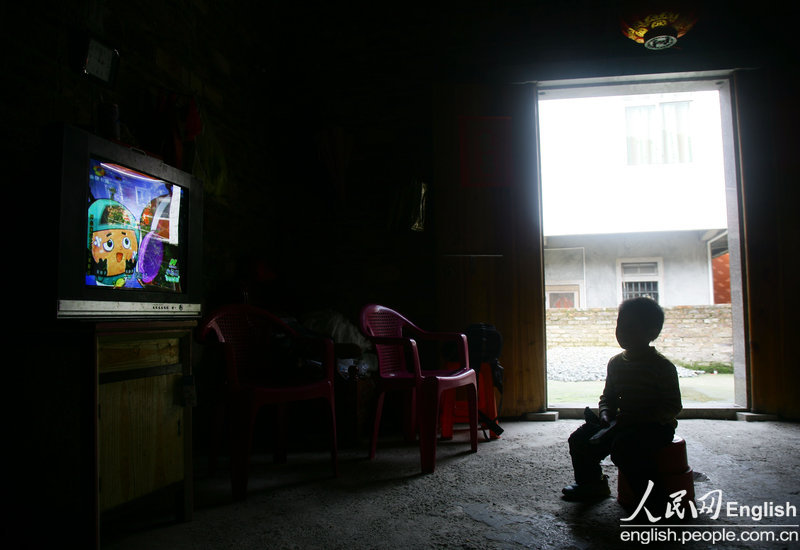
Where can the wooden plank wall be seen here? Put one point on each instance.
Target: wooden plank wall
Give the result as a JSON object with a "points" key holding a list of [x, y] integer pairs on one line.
{"points": [[768, 115], [486, 216]]}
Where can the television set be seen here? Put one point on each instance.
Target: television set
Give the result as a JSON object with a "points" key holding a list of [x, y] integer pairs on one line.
{"points": [[130, 233]]}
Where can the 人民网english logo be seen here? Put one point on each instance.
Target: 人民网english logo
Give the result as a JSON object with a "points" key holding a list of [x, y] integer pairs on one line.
{"points": [[727, 520]]}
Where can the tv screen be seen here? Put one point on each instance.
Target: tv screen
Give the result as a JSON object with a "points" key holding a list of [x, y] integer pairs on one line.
{"points": [[133, 231], [130, 233]]}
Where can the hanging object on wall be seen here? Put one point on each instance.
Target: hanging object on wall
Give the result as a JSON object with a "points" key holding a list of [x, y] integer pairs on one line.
{"points": [[411, 207], [658, 29], [100, 61], [420, 193]]}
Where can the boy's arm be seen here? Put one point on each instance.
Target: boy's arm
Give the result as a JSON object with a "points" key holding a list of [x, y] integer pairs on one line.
{"points": [[671, 394], [607, 405]]}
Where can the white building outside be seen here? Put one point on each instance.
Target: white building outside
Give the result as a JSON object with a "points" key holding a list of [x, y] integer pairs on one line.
{"points": [[633, 194]]}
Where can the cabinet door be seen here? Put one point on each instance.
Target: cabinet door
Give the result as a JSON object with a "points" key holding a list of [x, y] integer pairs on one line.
{"points": [[140, 437]]}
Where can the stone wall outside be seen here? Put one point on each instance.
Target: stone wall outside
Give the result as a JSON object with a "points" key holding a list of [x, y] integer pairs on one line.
{"points": [[701, 334]]}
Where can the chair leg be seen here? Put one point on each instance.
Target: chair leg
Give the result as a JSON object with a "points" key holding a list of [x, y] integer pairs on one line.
{"points": [[447, 417], [279, 452], [410, 416], [428, 416], [242, 422], [217, 427], [334, 443], [472, 403], [377, 423]]}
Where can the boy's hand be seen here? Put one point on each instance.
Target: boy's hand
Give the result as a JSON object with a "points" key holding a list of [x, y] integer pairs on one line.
{"points": [[605, 418]]}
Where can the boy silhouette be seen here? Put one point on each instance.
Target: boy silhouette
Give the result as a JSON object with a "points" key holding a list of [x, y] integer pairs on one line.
{"points": [[638, 407]]}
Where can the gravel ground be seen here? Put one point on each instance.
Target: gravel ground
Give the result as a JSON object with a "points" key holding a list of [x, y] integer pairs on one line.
{"points": [[586, 363]]}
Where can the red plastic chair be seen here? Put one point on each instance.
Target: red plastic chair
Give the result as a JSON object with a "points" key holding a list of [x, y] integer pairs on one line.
{"points": [[395, 339], [267, 363]]}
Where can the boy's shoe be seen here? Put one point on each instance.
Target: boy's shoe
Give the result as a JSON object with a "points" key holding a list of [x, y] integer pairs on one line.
{"points": [[587, 491]]}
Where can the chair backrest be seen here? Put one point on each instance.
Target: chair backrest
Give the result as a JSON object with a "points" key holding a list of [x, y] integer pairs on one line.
{"points": [[382, 322], [256, 342]]}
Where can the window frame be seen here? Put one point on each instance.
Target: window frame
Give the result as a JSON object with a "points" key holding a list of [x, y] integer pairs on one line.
{"points": [[563, 288], [657, 278]]}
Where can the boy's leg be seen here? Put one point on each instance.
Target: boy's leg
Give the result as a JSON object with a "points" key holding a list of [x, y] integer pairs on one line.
{"points": [[589, 479], [586, 456]]}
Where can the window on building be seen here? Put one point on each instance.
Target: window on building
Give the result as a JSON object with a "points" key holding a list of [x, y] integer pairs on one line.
{"points": [[659, 133], [562, 296], [636, 289], [640, 277]]}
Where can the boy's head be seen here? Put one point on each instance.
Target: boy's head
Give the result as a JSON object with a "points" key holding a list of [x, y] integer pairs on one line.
{"points": [[639, 322]]}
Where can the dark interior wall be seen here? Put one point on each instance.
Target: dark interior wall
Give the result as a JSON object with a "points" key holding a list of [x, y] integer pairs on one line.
{"points": [[315, 125], [307, 151], [305, 164], [303, 169], [317, 121]]}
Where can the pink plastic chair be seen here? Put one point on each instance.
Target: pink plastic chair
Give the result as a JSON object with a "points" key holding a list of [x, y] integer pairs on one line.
{"points": [[266, 363], [395, 339]]}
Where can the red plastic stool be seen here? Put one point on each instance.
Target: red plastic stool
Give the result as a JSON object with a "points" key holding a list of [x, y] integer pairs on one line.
{"points": [[456, 410], [673, 470]]}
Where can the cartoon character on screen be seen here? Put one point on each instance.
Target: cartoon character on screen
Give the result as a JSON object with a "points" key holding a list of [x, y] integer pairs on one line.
{"points": [[113, 243]]}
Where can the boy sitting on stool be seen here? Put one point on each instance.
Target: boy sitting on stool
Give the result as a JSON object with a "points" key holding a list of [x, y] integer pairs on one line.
{"points": [[638, 407]]}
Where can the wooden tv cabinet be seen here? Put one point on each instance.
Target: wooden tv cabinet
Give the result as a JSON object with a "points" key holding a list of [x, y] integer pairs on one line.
{"points": [[144, 396]]}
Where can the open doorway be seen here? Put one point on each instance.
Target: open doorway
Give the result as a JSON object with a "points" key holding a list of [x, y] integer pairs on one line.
{"points": [[639, 198]]}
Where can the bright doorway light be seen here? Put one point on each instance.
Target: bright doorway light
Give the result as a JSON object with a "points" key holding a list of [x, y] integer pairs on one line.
{"points": [[635, 199], [590, 183]]}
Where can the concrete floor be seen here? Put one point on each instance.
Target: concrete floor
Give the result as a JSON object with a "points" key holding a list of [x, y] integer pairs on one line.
{"points": [[507, 496]]}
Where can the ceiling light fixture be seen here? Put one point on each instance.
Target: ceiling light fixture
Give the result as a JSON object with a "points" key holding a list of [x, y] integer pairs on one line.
{"points": [[657, 30]]}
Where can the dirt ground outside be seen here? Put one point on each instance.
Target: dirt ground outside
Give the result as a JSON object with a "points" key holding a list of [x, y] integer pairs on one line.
{"points": [[698, 391]]}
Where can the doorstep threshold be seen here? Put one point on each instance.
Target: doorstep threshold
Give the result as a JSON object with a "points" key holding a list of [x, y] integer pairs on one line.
{"points": [[720, 411]]}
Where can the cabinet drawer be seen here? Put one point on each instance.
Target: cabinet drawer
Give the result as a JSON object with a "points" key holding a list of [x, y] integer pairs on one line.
{"points": [[128, 353]]}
